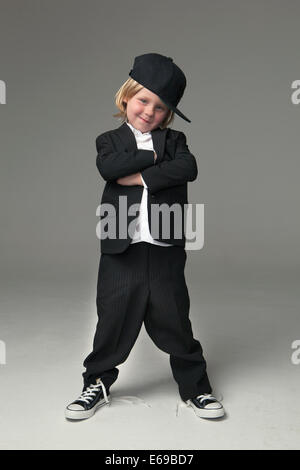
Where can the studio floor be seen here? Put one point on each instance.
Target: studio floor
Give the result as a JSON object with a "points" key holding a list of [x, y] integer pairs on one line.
{"points": [[246, 331]]}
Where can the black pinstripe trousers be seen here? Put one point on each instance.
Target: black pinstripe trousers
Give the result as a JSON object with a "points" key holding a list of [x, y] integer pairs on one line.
{"points": [[145, 283]]}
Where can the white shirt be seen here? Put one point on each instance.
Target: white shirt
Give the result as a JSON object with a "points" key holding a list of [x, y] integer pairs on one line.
{"points": [[142, 232]]}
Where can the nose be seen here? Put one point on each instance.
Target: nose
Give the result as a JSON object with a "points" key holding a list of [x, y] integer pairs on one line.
{"points": [[149, 111]]}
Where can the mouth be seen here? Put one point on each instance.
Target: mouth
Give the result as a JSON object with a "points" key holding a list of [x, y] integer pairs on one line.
{"points": [[145, 120]]}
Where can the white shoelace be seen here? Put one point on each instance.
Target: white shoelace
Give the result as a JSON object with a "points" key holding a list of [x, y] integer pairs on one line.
{"points": [[90, 392], [206, 396]]}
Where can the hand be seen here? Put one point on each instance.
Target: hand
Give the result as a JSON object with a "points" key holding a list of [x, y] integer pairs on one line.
{"points": [[131, 180], [155, 156]]}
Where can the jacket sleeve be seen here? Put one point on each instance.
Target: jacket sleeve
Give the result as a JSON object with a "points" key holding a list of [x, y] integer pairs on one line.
{"points": [[181, 169], [113, 165]]}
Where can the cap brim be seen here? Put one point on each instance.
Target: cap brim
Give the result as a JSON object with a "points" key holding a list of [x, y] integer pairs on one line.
{"points": [[176, 111]]}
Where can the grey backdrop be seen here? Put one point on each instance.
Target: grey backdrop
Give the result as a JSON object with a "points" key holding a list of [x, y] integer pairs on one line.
{"points": [[62, 62]]}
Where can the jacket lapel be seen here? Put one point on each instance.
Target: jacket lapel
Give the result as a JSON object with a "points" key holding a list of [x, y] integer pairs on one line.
{"points": [[128, 139]]}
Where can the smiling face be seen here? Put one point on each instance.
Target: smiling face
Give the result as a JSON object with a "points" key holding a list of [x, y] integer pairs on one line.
{"points": [[145, 111]]}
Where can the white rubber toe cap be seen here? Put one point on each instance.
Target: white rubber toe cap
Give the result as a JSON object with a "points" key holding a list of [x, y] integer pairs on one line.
{"points": [[75, 407], [213, 406]]}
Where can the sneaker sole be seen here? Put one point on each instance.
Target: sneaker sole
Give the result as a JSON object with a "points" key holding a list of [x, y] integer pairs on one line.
{"points": [[84, 414], [210, 413]]}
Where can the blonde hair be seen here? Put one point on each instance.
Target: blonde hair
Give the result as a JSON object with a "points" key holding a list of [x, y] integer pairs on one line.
{"points": [[127, 91]]}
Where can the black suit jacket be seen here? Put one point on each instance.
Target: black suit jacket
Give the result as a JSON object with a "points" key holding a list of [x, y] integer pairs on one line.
{"points": [[166, 178]]}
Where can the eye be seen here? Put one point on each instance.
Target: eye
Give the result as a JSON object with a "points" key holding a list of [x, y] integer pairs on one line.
{"points": [[144, 101]]}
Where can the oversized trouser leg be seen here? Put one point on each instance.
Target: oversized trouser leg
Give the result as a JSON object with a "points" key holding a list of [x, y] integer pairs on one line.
{"points": [[122, 296], [167, 320], [145, 283]]}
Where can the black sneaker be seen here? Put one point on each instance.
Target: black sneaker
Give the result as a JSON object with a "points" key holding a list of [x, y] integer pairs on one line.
{"points": [[92, 397], [206, 406]]}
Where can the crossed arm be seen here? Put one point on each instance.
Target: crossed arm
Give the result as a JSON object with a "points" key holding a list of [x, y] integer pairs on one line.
{"points": [[128, 167]]}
